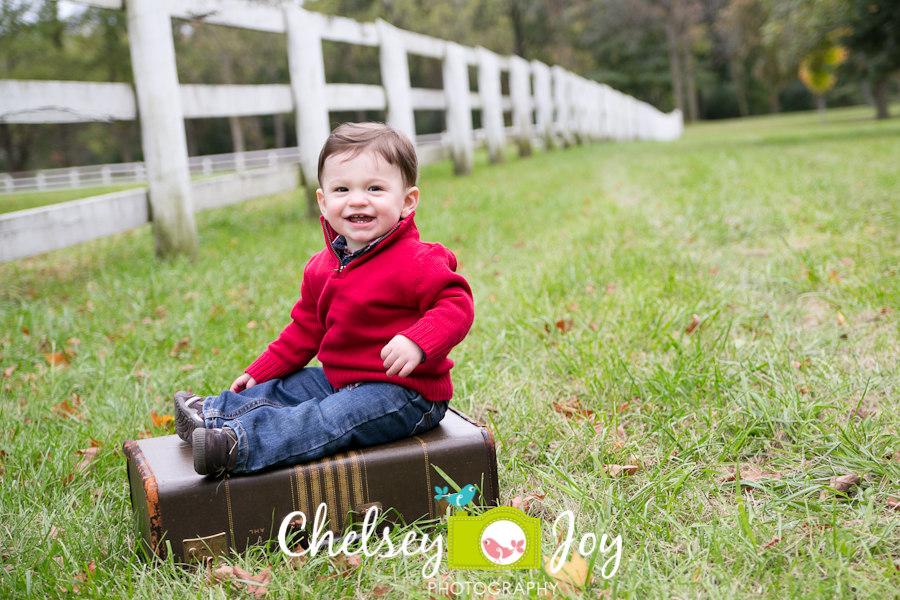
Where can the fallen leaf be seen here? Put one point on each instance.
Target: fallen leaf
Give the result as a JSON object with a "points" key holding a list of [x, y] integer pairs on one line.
{"points": [[617, 470], [750, 473], [345, 564], [610, 288], [573, 306], [260, 581], [256, 584], [520, 503], [594, 327], [840, 319], [490, 408], [564, 325], [622, 407], [572, 409], [179, 346], [886, 310], [56, 359], [772, 543], [88, 456], [804, 389], [9, 371], [187, 367], [161, 420], [215, 351], [571, 575], [695, 320], [842, 484], [85, 575], [55, 532], [251, 325], [381, 590], [892, 503], [65, 409]]}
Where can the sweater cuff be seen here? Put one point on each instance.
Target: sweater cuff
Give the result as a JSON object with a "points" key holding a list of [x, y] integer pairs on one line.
{"points": [[427, 338], [265, 368]]}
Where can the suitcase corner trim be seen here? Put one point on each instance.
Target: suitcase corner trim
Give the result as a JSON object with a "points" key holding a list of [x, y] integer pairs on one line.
{"points": [[135, 457]]}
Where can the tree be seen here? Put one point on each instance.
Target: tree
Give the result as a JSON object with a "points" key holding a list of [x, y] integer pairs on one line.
{"points": [[875, 34], [817, 72]]}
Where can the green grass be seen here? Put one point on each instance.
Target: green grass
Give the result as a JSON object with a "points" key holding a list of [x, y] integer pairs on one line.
{"points": [[14, 202], [781, 235]]}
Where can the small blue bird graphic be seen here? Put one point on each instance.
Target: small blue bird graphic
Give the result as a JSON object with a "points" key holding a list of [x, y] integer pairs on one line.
{"points": [[457, 499]]}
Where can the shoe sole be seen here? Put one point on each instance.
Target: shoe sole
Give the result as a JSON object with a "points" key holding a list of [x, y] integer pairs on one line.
{"points": [[184, 425], [198, 443]]}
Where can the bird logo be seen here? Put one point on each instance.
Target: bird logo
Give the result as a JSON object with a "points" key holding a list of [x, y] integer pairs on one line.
{"points": [[494, 550], [457, 499]]}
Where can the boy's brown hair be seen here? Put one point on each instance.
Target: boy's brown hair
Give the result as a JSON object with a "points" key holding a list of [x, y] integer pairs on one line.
{"points": [[390, 144]]}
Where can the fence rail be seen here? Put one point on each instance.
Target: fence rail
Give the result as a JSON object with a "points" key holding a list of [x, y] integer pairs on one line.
{"points": [[549, 107]]}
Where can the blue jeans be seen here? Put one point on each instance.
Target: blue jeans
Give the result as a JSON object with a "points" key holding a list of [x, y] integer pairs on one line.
{"points": [[302, 417]]}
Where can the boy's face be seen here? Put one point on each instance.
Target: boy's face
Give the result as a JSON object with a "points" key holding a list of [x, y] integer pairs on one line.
{"points": [[363, 197]]}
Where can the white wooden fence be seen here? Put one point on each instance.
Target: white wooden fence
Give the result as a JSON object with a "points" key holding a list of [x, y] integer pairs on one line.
{"points": [[549, 106]]}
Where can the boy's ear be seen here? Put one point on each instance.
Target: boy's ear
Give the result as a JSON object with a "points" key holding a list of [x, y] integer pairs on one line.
{"points": [[410, 202], [320, 198]]}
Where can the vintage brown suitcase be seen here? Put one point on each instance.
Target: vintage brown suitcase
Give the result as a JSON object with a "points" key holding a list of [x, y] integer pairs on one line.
{"points": [[192, 516]]}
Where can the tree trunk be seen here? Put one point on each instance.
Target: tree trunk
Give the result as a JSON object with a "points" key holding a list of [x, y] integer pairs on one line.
{"points": [[123, 133], [237, 134], [675, 66], [737, 77], [820, 103], [693, 103], [280, 141], [865, 89], [190, 134], [773, 103], [881, 99]]}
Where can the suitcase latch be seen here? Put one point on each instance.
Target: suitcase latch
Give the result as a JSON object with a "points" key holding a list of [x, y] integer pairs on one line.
{"points": [[197, 549]]}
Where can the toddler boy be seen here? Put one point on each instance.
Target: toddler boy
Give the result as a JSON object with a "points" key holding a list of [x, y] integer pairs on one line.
{"points": [[379, 307]]}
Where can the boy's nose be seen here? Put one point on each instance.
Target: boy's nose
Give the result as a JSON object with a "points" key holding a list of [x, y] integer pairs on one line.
{"points": [[359, 198]]}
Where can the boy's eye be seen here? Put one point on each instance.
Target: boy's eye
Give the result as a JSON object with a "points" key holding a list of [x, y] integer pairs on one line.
{"points": [[340, 189], [374, 188]]}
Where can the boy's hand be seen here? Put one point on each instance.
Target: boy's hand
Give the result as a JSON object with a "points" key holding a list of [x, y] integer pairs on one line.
{"points": [[244, 382], [401, 355]]}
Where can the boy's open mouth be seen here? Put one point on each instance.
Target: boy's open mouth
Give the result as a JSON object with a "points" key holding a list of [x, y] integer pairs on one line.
{"points": [[360, 218]]}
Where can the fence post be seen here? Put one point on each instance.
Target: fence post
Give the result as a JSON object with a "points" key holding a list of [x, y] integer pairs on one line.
{"points": [[162, 127], [543, 103], [459, 109], [520, 95], [395, 79], [561, 101], [596, 111], [580, 96], [491, 103], [73, 177], [307, 69], [8, 182]]}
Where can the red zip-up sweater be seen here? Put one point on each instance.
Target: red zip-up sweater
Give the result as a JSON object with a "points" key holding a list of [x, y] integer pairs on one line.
{"points": [[347, 315]]}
